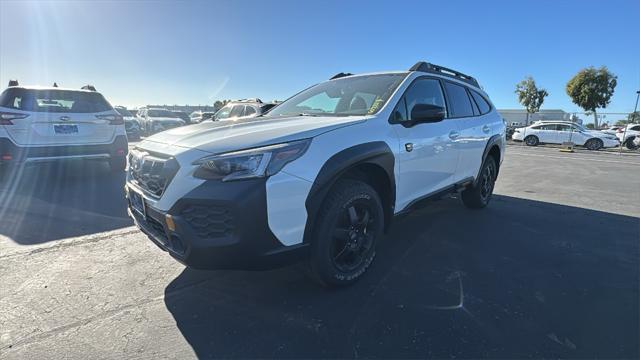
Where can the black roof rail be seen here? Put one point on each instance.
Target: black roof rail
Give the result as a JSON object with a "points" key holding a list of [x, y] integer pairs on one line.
{"points": [[339, 75], [13, 83], [441, 70], [88, 87]]}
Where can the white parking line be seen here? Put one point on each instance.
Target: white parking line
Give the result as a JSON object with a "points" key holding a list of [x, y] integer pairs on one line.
{"points": [[572, 158]]}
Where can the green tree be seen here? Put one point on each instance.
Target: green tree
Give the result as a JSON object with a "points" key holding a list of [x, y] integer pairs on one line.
{"points": [[218, 104], [592, 89], [530, 96], [590, 126]]}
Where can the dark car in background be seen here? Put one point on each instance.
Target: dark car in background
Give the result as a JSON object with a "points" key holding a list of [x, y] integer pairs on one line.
{"points": [[131, 124], [182, 115]]}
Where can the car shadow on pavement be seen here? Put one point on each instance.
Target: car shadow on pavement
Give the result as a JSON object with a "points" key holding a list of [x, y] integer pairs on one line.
{"points": [[521, 278], [56, 201]]}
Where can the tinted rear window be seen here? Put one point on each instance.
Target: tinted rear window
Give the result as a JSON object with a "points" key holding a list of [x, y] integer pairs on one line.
{"points": [[481, 102], [58, 101], [459, 102]]}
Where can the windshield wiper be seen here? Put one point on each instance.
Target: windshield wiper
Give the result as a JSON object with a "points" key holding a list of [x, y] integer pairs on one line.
{"points": [[307, 114]]}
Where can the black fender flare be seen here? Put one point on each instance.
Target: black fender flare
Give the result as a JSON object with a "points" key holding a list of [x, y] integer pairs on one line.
{"points": [[494, 140], [376, 153]]}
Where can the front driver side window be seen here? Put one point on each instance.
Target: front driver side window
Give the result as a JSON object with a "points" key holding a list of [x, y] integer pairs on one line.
{"points": [[422, 91]]}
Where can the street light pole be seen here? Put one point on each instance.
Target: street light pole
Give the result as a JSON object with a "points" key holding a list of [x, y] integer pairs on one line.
{"points": [[624, 134]]}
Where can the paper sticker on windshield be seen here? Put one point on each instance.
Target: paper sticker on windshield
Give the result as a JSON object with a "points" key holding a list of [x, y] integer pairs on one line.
{"points": [[375, 106]]}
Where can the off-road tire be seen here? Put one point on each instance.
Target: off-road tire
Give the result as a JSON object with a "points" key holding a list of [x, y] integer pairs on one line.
{"points": [[347, 197], [478, 195]]}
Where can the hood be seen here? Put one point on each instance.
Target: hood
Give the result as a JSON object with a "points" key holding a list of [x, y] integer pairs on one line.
{"points": [[230, 135]]}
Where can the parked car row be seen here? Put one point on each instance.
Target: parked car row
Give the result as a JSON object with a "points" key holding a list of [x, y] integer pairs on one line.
{"points": [[559, 132], [148, 121]]}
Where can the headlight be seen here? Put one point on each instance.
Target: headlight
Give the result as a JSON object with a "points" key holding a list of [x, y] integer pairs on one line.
{"points": [[250, 163]]}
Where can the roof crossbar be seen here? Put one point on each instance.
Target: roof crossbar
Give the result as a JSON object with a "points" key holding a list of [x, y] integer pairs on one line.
{"points": [[441, 70]]}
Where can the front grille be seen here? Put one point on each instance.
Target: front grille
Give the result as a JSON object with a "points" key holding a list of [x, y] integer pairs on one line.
{"points": [[208, 221], [151, 173], [157, 228]]}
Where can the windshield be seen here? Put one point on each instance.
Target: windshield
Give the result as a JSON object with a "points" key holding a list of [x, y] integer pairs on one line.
{"points": [[124, 112], [161, 113], [350, 96], [223, 113]]}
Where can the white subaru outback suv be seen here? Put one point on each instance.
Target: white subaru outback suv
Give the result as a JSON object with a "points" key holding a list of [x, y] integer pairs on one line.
{"points": [[40, 124], [321, 176]]}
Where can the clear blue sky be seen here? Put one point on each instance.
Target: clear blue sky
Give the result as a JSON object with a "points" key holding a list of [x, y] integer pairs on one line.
{"points": [[166, 52]]}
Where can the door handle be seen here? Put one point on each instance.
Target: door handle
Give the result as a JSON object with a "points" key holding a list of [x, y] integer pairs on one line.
{"points": [[486, 129], [64, 118], [453, 135]]}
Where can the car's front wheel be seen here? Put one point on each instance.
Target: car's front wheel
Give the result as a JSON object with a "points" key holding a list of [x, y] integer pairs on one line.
{"points": [[349, 224], [629, 144], [531, 140], [594, 144]]}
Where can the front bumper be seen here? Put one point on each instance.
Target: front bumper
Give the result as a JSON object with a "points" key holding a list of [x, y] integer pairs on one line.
{"points": [[218, 226]]}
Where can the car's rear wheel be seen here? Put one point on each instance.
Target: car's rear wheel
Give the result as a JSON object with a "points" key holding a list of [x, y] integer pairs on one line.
{"points": [[531, 140], [478, 195], [629, 144], [594, 144], [118, 164], [349, 224]]}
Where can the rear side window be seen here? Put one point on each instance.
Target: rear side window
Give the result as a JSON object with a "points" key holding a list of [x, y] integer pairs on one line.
{"points": [[459, 102], [54, 101], [237, 111], [249, 110], [483, 105]]}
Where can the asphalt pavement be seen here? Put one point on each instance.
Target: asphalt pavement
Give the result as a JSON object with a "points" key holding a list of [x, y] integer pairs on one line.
{"points": [[550, 269]]}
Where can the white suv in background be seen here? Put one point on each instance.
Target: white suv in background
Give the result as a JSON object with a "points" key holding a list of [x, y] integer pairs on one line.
{"points": [[239, 109], [49, 123], [558, 132], [321, 175], [627, 137], [154, 120]]}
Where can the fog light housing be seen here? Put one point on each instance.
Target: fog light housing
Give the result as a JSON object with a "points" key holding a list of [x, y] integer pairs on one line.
{"points": [[168, 219]]}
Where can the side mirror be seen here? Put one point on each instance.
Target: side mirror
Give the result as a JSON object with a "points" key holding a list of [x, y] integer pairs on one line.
{"points": [[426, 113]]}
